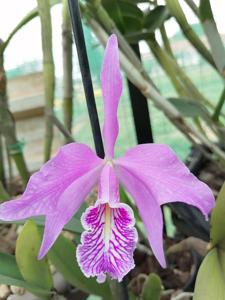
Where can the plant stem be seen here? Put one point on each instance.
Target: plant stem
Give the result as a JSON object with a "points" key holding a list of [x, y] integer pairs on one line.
{"points": [[166, 41], [7, 126], [193, 7], [2, 163], [3, 194], [172, 68], [67, 68], [69, 138], [119, 290], [167, 67], [219, 106], [189, 86], [49, 72], [179, 15]]}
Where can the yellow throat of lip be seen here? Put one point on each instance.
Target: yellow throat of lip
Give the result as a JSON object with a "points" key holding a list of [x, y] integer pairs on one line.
{"points": [[107, 231]]}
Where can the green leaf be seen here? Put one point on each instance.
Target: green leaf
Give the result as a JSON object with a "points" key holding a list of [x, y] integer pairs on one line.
{"points": [[137, 36], [127, 15], [188, 108], [156, 17], [132, 24], [130, 10], [210, 283], [10, 274], [63, 256], [27, 247], [205, 10], [217, 232], [112, 7], [152, 288], [213, 36]]}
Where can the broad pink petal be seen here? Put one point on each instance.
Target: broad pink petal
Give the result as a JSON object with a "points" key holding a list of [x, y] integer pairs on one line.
{"points": [[108, 243], [166, 177], [108, 188], [111, 88], [149, 210], [45, 186], [69, 202]]}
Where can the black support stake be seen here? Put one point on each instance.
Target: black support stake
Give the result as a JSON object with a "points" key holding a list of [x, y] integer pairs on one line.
{"points": [[140, 110], [86, 75]]}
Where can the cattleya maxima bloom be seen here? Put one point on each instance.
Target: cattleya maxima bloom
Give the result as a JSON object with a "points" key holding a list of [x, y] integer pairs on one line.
{"points": [[151, 173]]}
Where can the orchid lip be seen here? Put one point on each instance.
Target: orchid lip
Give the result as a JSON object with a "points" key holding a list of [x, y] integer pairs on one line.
{"points": [[108, 242]]}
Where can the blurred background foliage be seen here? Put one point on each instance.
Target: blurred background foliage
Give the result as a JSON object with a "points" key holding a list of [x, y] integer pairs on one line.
{"points": [[181, 75]]}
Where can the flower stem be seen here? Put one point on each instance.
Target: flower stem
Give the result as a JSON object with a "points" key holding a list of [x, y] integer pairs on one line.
{"points": [[86, 75], [119, 290]]}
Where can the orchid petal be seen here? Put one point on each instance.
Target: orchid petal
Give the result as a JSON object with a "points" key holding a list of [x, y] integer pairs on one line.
{"points": [[45, 186], [149, 210], [108, 243], [166, 177], [68, 204], [111, 88]]}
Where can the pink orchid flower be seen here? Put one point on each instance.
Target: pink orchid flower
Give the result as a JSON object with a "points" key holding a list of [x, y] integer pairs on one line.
{"points": [[151, 173]]}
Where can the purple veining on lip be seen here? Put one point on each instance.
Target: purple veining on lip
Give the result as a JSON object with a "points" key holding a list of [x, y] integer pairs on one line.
{"points": [[107, 250]]}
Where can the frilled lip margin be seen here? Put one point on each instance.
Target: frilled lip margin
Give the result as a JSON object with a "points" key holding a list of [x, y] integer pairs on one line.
{"points": [[108, 242]]}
